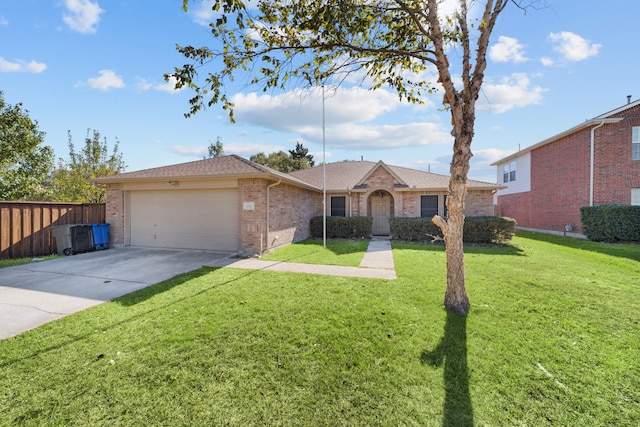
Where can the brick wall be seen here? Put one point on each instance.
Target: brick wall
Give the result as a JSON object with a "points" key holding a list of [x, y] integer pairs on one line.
{"points": [[115, 213], [252, 222], [479, 203], [615, 173], [290, 211]]}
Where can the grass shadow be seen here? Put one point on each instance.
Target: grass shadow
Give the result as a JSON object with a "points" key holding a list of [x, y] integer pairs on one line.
{"points": [[620, 250], [130, 300], [505, 250], [144, 294], [452, 352]]}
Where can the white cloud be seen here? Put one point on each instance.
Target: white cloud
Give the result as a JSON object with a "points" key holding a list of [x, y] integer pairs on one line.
{"points": [[83, 15], [546, 61], [20, 66], [507, 49], [512, 92], [349, 116], [573, 47], [3, 21], [169, 87], [300, 109], [242, 149], [186, 150], [203, 14], [108, 80]]}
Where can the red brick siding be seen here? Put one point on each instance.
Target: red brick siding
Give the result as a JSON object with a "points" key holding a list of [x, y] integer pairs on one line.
{"points": [[290, 212], [115, 213], [251, 223], [560, 176]]}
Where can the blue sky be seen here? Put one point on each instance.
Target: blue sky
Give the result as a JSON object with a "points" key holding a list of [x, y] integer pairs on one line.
{"points": [[97, 64]]}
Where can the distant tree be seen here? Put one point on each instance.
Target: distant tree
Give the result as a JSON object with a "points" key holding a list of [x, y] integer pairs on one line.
{"points": [[278, 160], [296, 159], [301, 158], [25, 163], [215, 150], [70, 180]]}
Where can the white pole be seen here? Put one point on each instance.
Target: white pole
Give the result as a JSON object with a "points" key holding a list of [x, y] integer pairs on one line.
{"points": [[324, 180]]}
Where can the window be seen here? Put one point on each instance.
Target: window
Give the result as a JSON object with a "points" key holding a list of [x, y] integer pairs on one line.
{"points": [[428, 206], [635, 143], [338, 206], [635, 196], [445, 205], [509, 172]]}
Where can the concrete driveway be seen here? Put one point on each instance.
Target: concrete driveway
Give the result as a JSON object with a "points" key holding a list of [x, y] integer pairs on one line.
{"points": [[40, 292]]}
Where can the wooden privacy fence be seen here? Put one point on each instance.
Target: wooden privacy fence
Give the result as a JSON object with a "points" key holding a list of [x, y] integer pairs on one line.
{"points": [[24, 226]]}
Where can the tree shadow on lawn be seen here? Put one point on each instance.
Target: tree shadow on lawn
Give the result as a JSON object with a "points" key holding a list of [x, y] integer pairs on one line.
{"points": [[127, 301], [628, 250], [452, 351], [505, 250]]}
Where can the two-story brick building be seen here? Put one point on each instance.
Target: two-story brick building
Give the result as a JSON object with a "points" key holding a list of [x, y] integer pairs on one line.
{"points": [[594, 163]]}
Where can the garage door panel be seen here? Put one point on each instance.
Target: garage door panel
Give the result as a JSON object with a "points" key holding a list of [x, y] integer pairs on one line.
{"points": [[192, 219]]}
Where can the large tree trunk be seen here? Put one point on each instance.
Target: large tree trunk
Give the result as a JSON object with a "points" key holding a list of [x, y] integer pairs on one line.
{"points": [[455, 297]]}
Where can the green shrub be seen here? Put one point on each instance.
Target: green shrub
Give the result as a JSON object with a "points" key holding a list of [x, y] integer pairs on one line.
{"points": [[611, 223], [481, 229], [339, 227]]}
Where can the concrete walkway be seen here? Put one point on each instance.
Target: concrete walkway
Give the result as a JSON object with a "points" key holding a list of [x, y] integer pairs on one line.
{"points": [[377, 263]]}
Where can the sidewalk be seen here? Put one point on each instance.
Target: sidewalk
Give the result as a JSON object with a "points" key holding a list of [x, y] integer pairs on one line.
{"points": [[377, 263]]}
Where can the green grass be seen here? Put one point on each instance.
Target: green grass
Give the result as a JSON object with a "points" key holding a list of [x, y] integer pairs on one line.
{"points": [[338, 252], [20, 261], [552, 340]]}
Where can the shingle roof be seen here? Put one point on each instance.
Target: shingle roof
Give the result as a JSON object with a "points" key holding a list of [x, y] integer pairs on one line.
{"points": [[225, 166], [340, 176], [347, 175]]}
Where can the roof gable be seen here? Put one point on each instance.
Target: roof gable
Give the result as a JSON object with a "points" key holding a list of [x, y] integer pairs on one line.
{"points": [[397, 180]]}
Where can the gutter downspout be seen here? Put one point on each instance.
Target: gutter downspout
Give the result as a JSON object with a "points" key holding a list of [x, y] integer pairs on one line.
{"points": [[266, 231], [591, 166]]}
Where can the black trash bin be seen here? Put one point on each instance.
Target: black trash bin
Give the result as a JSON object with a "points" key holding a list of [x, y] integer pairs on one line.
{"points": [[73, 238]]}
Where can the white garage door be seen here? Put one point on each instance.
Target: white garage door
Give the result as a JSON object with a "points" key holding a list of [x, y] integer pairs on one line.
{"points": [[187, 219]]}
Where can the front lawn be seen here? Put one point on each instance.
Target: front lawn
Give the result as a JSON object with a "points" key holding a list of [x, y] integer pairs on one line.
{"points": [[552, 339], [338, 252]]}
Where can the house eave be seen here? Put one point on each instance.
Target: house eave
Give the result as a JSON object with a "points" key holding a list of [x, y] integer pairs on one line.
{"points": [[267, 176], [586, 124]]}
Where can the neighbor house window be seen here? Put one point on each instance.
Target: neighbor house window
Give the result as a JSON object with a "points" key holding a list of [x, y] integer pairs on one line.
{"points": [[635, 196], [428, 206], [338, 206], [509, 172], [635, 143]]}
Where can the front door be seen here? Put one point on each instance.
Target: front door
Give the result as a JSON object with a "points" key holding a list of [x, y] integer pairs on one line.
{"points": [[381, 209]]}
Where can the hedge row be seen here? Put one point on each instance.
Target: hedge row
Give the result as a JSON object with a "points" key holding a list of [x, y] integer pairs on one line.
{"points": [[482, 229], [611, 223], [338, 227]]}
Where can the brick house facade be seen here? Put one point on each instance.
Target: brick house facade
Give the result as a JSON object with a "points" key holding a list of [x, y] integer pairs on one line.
{"points": [[232, 204], [594, 163]]}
